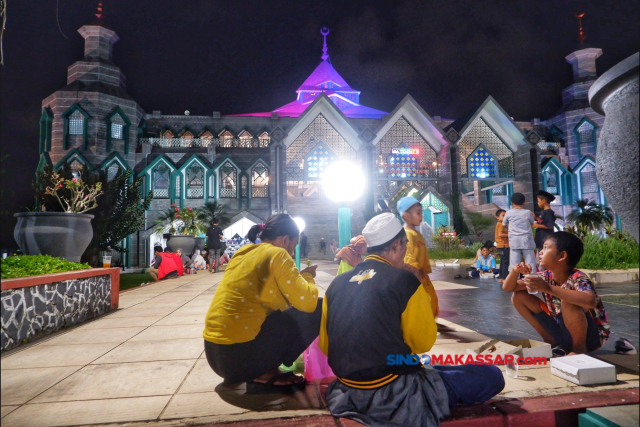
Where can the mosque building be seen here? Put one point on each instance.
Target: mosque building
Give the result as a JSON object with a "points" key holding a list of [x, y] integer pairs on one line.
{"points": [[258, 164]]}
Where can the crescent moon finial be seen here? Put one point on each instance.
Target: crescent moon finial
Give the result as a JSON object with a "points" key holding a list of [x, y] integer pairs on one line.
{"points": [[325, 32]]}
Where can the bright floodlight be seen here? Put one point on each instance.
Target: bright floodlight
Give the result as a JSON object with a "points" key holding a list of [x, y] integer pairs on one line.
{"points": [[300, 223], [343, 181]]}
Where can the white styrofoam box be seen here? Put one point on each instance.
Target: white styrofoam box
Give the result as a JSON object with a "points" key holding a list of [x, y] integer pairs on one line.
{"points": [[532, 348], [439, 264], [494, 347], [583, 370]]}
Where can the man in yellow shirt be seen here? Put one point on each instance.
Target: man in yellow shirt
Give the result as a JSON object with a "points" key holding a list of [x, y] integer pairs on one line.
{"points": [[264, 313]]}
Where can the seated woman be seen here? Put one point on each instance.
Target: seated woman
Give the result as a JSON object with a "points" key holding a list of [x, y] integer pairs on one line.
{"points": [[264, 313], [198, 261]]}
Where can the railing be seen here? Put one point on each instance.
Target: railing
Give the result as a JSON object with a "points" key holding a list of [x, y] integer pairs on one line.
{"points": [[259, 192], [205, 142], [195, 193]]}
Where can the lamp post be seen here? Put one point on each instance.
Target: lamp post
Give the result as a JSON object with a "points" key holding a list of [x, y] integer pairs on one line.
{"points": [[301, 224], [343, 182]]}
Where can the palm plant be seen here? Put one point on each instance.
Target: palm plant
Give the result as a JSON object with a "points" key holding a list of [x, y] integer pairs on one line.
{"points": [[166, 223], [590, 215], [212, 210]]}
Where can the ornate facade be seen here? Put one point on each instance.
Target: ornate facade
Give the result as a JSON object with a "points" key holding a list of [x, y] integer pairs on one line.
{"points": [[258, 164]]}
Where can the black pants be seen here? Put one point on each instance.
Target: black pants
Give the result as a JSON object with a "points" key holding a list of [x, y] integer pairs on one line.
{"points": [[283, 337], [504, 262]]}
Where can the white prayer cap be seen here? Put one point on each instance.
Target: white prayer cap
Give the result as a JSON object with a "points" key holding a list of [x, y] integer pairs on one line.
{"points": [[381, 229]]}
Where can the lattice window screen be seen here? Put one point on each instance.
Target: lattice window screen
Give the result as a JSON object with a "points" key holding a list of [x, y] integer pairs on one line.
{"points": [[588, 179], [259, 181], [228, 181], [160, 181], [403, 133], [481, 133], [551, 178], [482, 164], [112, 171], [320, 130], [195, 182], [586, 133], [431, 200], [76, 121], [178, 184]]}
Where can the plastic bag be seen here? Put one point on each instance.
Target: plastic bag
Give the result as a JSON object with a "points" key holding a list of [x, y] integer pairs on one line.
{"points": [[316, 365]]}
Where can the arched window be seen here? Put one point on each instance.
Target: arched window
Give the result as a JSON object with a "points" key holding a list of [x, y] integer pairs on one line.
{"points": [[551, 180], [244, 186], [76, 123], [264, 139], [482, 135], [167, 134], [112, 171], [187, 135], [117, 127], [589, 183], [586, 133], [226, 139], [260, 181], [206, 135], [160, 178], [195, 182], [228, 181], [481, 164], [317, 161]]}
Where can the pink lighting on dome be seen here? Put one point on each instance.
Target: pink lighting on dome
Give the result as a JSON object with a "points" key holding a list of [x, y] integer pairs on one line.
{"points": [[324, 79]]}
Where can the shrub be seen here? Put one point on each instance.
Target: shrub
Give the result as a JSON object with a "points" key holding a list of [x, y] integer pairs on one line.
{"points": [[446, 243], [33, 265], [609, 253], [478, 223], [462, 253]]}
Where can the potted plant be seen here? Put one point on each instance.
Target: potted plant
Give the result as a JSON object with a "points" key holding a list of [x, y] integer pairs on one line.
{"points": [[63, 234], [182, 227]]}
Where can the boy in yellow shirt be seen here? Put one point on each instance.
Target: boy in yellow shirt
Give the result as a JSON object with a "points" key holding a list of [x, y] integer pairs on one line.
{"points": [[417, 256]]}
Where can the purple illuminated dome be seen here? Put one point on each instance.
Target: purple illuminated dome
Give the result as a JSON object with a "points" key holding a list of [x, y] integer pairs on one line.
{"points": [[325, 79]]}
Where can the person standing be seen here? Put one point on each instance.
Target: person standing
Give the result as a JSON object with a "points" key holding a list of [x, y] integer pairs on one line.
{"points": [[519, 222], [547, 219], [323, 246], [214, 235], [303, 245], [502, 242]]}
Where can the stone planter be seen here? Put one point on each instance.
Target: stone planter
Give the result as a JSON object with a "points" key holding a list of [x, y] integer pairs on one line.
{"points": [[59, 234], [184, 242], [615, 95], [199, 244]]}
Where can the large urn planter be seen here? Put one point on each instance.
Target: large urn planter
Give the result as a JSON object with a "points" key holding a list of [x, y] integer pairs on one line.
{"points": [[199, 244], [615, 95], [59, 234], [184, 242]]}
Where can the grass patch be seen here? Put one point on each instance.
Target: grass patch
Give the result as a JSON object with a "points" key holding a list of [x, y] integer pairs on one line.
{"points": [[132, 280], [609, 253], [464, 253]]}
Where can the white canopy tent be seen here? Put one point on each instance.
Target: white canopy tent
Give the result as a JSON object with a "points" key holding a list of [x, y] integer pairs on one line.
{"points": [[240, 227]]}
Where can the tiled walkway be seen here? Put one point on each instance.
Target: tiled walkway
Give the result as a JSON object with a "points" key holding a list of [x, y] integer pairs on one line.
{"points": [[145, 363]]}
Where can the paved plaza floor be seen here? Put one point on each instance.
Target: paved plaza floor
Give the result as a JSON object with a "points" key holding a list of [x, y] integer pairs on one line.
{"points": [[144, 364]]}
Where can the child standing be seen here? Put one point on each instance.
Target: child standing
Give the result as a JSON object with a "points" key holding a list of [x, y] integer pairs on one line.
{"points": [[547, 219], [417, 256], [502, 242], [572, 316], [521, 244]]}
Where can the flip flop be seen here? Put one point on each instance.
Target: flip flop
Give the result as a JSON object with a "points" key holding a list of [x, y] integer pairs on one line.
{"points": [[269, 386], [457, 276]]}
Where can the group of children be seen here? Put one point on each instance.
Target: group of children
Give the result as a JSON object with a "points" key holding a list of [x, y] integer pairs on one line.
{"points": [[569, 314]]}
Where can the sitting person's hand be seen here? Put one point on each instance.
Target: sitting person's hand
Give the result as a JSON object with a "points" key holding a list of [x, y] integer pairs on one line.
{"points": [[311, 270], [536, 283], [523, 268], [423, 275]]}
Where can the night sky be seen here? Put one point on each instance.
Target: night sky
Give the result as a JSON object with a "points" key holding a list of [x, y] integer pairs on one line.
{"points": [[250, 56]]}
